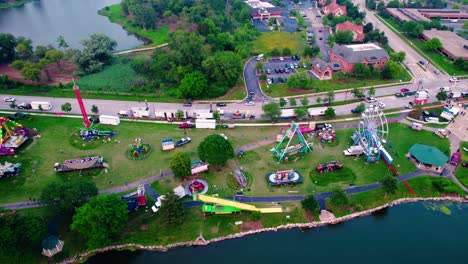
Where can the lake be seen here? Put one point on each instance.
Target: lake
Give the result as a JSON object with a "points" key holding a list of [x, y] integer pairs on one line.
{"points": [[43, 21], [408, 233]]}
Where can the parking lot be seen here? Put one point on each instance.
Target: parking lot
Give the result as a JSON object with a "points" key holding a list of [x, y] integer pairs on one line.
{"points": [[276, 68]]}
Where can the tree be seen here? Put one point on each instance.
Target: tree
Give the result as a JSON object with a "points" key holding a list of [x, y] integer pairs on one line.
{"points": [[339, 197], [67, 196], [331, 40], [31, 71], [94, 109], [172, 211], [389, 184], [179, 114], [442, 96], [293, 102], [215, 150], [344, 37], [357, 93], [398, 57], [54, 56], [66, 107], [371, 91], [360, 70], [193, 85], [368, 27], [391, 70], [180, 164], [19, 64], [304, 101], [286, 51], [282, 102], [100, 219], [298, 80], [8, 43], [300, 112], [275, 52], [20, 231], [310, 204], [433, 44], [259, 65], [360, 108], [330, 112], [216, 116], [272, 111], [413, 28], [61, 43], [330, 96], [97, 53]]}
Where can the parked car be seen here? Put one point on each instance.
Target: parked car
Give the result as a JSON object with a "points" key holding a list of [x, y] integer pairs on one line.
{"points": [[454, 79], [400, 95], [186, 125], [10, 99], [157, 204], [404, 90], [268, 71], [381, 105], [356, 110], [281, 59], [320, 30], [249, 103], [371, 100], [221, 104], [410, 105], [281, 70], [251, 92], [422, 62], [268, 81], [296, 65], [286, 70], [187, 104], [24, 106], [182, 142]]}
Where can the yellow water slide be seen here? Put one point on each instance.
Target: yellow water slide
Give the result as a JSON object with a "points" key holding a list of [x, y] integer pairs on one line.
{"points": [[242, 206]]}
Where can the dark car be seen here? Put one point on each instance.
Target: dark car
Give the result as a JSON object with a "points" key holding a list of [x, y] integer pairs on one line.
{"points": [[221, 104], [321, 38], [251, 92], [280, 70], [94, 119], [187, 104], [182, 142], [404, 90], [356, 110], [24, 106], [400, 95], [410, 93], [186, 125], [276, 70], [422, 62]]}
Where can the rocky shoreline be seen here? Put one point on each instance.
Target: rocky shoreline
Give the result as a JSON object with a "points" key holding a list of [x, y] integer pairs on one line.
{"points": [[200, 241]]}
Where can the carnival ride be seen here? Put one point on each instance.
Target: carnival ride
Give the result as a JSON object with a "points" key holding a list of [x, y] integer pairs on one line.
{"points": [[329, 166], [217, 205], [138, 149], [301, 147], [89, 131], [12, 135], [81, 164], [372, 133], [240, 177], [198, 166], [196, 186], [9, 169], [135, 199], [284, 177]]}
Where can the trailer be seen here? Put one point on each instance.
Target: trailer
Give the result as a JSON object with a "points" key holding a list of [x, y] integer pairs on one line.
{"points": [[167, 144], [287, 114], [139, 111], [109, 120], [160, 115], [353, 151], [203, 114], [44, 106], [316, 111], [205, 123], [454, 95], [199, 166]]}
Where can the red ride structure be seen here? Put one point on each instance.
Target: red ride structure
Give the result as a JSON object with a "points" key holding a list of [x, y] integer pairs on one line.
{"points": [[76, 89]]}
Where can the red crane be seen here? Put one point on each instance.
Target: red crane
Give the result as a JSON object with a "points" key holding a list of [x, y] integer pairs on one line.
{"points": [[80, 102]]}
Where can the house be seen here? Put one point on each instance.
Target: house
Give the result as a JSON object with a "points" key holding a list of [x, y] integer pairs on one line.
{"points": [[349, 55], [334, 9], [358, 30], [324, 70], [264, 13], [427, 157]]}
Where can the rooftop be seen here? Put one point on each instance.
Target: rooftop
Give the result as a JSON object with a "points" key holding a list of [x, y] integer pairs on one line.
{"points": [[360, 52], [451, 42], [358, 30], [258, 4], [428, 154]]}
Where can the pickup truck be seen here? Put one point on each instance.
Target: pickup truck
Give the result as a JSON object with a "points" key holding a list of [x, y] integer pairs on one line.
{"points": [[182, 142]]}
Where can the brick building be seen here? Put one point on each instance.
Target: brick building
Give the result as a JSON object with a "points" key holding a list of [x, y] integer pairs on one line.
{"points": [[334, 9], [349, 55], [358, 30]]}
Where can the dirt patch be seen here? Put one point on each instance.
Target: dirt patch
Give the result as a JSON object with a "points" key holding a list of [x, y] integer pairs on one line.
{"points": [[252, 225], [52, 74], [309, 216], [214, 230]]}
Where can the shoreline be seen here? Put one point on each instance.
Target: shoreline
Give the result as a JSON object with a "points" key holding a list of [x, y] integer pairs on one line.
{"points": [[202, 242], [15, 4]]}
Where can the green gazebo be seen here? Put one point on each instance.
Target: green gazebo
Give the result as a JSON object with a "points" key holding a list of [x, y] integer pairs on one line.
{"points": [[51, 246], [428, 156]]}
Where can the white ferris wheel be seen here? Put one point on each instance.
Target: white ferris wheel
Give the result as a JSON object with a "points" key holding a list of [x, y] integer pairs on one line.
{"points": [[373, 132]]}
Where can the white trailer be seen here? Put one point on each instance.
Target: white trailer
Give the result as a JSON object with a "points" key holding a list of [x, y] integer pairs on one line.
{"points": [[205, 123], [287, 114], [316, 111], [353, 151], [203, 114], [160, 115], [109, 120], [46, 106], [139, 111]]}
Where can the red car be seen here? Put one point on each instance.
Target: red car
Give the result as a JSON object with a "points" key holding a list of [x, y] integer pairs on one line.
{"points": [[455, 159], [186, 125], [404, 90]]}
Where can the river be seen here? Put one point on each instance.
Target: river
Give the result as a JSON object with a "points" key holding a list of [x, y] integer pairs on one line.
{"points": [[43, 21], [408, 233]]}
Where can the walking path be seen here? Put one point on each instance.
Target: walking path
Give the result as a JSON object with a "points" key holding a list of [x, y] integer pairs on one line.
{"points": [[140, 49]]}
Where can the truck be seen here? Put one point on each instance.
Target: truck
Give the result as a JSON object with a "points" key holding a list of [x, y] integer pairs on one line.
{"points": [[203, 114], [317, 111], [287, 114], [205, 123], [353, 151], [45, 106], [139, 111], [109, 120], [455, 95]]}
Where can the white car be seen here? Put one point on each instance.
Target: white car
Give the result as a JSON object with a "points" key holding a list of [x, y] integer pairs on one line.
{"points": [[454, 79], [250, 103], [268, 81], [157, 204], [9, 99], [381, 105], [281, 59], [371, 100]]}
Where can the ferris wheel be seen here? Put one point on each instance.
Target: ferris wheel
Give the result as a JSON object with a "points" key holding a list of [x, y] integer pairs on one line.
{"points": [[372, 134]]}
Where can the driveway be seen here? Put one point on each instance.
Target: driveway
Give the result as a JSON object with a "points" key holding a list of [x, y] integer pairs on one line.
{"points": [[252, 82]]}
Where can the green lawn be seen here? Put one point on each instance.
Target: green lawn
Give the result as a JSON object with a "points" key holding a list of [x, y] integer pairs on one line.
{"points": [[157, 36], [118, 76], [280, 40], [15, 4], [462, 173]]}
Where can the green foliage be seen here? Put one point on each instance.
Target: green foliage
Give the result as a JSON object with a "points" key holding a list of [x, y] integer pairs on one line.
{"points": [[298, 80], [300, 112], [66, 107], [66, 197], [215, 150], [180, 164], [398, 57], [361, 70], [54, 55], [310, 204], [344, 37], [330, 112], [179, 114], [286, 51], [97, 53], [391, 70], [193, 85], [31, 71], [442, 96], [100, 219], [94, 109], [433, 44], [118, 76], [172, 210], [19, 232], [293, 102], [275, 52], [304, 101], [389, 184], [282, 102], [18, 64], [371, 91], [255, 215], [330, 97], [360, 108], [272, 111], [339, 197], [413, 28], [61, 43]]}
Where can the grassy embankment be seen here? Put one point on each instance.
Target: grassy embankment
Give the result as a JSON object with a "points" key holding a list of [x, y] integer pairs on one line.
{"points": [[462, 173], [17, 3]]}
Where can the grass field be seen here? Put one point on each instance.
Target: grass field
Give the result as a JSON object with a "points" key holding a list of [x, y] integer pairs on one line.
{"points": [[116, 77], [462, 173], [280, 40], [157, 36]]}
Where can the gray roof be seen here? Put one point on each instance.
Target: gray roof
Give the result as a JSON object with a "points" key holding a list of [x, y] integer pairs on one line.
{"points": [[320, 64], [357, 53]]}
